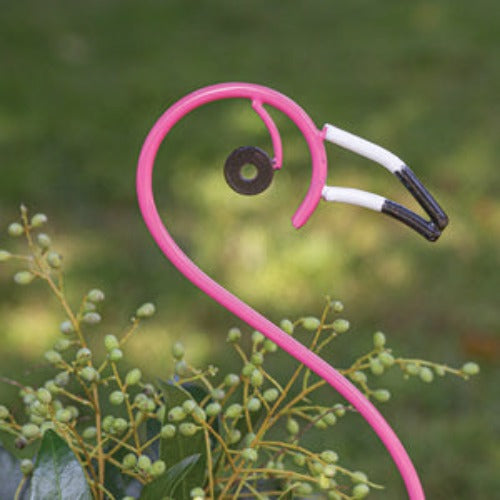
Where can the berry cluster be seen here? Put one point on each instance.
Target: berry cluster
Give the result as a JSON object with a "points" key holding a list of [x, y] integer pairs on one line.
{"points": [[232, 418]]}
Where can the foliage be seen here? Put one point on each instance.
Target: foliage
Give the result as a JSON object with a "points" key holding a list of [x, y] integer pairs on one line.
{"points": [[98, 430]]}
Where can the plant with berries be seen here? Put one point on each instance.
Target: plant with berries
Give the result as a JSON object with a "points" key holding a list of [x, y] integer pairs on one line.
{"points": [[198, 433]]}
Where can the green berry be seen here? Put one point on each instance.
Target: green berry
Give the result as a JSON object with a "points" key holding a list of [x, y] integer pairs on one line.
{"points": [[213, 409], [89, 306], [270, 346], [303, 488], [89, 374], [96, 295], [4, 412], [321, 424], [197, 493], [89, 433], [234, 335], [249, 454], [53, 357], [337, 306], [271, 395], [339, 410], [26, 466], [178, 350], [111, 342], [188, 429], [247, 369], [30, 431], [146, 310], [218, 394], [44, 395], [234, 435], [231, 380], [233, 411], [311, 323], [74, 411], [359, 477], [63, 415], [316, 468], [37, 419], [43, 240], [66, 327], [382, 395], [83, 355], [329, 456], [470, 368], [257, 338], [254, 404], [115, 355], [181, 368], [129, 461], [168, 431], [133, 377], [54, 260], [379, 340], [61, 379], [107, 423], [360, 491], [4, 255], [116, 398], [257, 358], [15, 229], [299, 459], [426, 374], [62, 344], [199, 414], [120, 425], [341, 325], [287, 326], [412, 369], [376, 367], [24, 277], [189, 405], [158, 468], [330, 470], [323, 482], [359, 377], [38, 220], [256, 379], [330, 418], [440, 371], [386, 358], [292, 426], [176, 414], [144, 462], [91, 318], [52, 387]]}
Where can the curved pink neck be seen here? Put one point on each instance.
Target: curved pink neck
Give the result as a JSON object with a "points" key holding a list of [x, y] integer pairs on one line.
{"points": [[262, 95]]}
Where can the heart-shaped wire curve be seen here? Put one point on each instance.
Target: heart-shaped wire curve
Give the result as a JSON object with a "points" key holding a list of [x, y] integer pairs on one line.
{"points": [[260, 95]]}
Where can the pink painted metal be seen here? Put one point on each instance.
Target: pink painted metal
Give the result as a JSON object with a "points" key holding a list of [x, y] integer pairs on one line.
{"points": [[259, 95]]}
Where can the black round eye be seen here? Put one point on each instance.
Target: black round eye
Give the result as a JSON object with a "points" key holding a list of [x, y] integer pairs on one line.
{"points": [[248, 170]]}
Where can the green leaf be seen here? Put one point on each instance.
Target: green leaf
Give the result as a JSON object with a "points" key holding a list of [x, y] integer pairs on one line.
{"points": [[10, 475], [166, 486], [175, 450], [58, 475]]}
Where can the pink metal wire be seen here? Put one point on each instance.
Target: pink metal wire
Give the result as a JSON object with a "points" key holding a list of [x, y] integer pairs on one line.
{"points": [[259, 96]]}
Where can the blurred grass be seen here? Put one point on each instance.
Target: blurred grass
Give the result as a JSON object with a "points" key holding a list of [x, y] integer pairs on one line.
{"points": [[81, 84]]}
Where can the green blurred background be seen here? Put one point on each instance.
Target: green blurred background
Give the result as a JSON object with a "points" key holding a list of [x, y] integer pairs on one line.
{"points": [[81, 83]]}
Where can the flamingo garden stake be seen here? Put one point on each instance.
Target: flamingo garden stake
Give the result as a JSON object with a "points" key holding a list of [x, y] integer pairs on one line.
{"points": [[260, 96]]}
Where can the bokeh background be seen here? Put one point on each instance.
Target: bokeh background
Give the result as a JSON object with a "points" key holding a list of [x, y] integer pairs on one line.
{"points": [[81, 83]]}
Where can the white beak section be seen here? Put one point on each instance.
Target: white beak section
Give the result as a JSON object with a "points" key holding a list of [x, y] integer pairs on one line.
{"points": [[363, 147], [353, 197]]}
